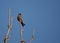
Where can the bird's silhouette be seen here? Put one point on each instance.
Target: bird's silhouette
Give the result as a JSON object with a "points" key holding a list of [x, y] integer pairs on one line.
{"points": [[19, 18]]}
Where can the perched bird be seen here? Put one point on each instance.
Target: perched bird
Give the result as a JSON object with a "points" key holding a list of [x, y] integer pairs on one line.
{"points": [[19, 18]]}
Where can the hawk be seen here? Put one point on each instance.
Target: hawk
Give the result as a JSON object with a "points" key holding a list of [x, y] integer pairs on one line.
{"points": [[19, 18]]}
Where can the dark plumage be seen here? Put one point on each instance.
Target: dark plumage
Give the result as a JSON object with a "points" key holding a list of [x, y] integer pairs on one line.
{"points": [[19, 18]]}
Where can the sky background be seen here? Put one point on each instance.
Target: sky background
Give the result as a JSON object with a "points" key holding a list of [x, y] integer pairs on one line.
{"points": [[41, 15]]}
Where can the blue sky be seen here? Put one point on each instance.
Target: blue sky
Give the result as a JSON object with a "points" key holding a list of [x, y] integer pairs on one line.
{"points": [[41, 15]]}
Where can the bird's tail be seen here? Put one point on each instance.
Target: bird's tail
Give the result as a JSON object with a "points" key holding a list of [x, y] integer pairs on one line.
{"points": [[22, 23]]}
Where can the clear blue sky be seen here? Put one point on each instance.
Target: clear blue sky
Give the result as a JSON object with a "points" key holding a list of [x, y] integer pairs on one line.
{"points": [[41, 15]]}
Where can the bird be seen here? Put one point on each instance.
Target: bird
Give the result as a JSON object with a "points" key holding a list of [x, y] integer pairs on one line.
{"points": [[19, 18]]}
